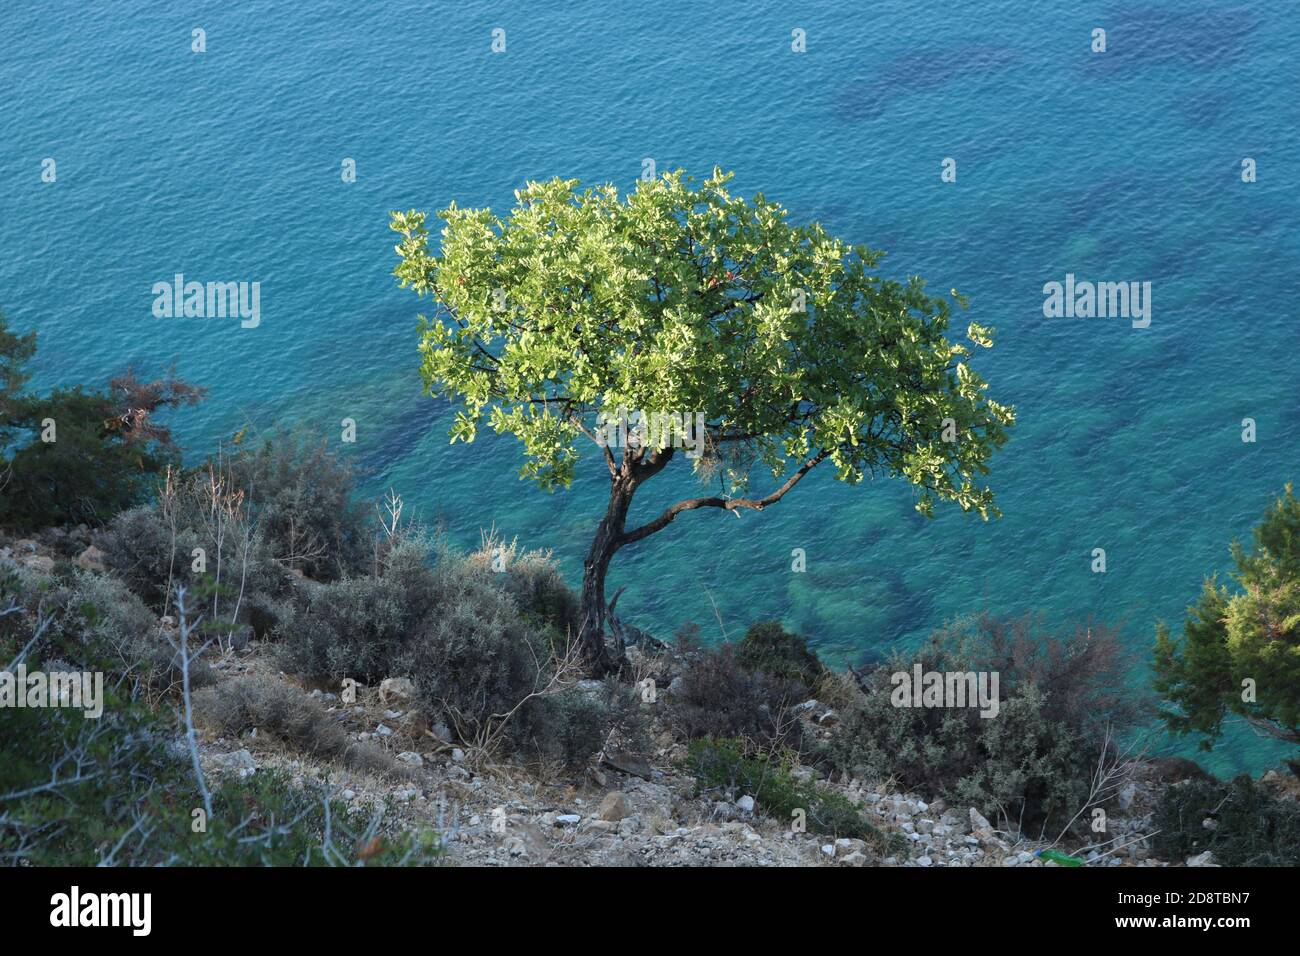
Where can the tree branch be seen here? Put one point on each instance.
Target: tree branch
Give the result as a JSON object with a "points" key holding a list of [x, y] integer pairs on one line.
{"points": [[727, 504]]}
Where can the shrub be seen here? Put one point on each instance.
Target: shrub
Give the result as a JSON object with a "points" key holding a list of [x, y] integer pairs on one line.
{"points": [[300, 497], [152, 548], [271, 707], [727, 764], [770, 648], [130, 803], [1031, 763], [93, 622], [456, 629], [719, 697], [473, 655], [1251, 826], [570, 727], [351, 628]]}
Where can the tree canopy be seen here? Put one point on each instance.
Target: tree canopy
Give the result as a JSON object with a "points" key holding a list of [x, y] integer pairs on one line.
{"points": [[1240, 648], [683, 299]]}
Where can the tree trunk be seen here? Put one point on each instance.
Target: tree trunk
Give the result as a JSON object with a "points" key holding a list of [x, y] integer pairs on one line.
{"points": [[601, 658]]}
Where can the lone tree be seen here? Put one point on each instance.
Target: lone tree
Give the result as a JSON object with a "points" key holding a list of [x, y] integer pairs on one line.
{"points": [[1240, 651], [764, 344]]}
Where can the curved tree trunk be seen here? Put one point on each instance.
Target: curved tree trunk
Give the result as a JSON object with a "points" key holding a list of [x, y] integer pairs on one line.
{"points": [[601, 657]]}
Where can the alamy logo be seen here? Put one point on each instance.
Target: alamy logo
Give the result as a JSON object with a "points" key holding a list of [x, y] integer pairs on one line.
{"points": [[210, 300], [103, 909], [652, 430], [946, 689], [1102, 300], [82, 691]]}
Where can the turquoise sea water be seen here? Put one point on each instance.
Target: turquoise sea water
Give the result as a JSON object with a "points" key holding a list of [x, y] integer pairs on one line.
{"points": [[1125, 166]]}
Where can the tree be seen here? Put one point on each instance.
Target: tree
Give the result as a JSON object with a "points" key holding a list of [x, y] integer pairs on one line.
{"points": [[692, 320], [1240, 649], [77, 455], [15, 352]]}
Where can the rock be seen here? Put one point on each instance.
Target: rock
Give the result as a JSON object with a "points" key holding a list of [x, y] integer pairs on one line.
{"points": [[629, 763], [567, 819], [382, 731], [457, 755], [855, 859], [92, 559], [39, 562], [614, 807], [828, 849], [396, 688], [405, 796], [977, 820], [807, 705], [845, 846], [924, 861], [240, 760], [348, 794], [1202, 859], [411, 757], [957, 822], [829, 719], [598, 776], [1210, 823], [746, 803], [1127, 795]]}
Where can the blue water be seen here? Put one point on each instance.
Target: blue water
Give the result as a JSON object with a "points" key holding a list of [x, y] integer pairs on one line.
{"points": [[226, 166]]}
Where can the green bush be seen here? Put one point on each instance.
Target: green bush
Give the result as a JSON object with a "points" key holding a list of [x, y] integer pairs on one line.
{"points": [[1250, 826], [770, 648], [1033, 761], [570, 727], [94, 622], [78, 455], [118, 790], [455, 629], [728, 765], [300, 497], [352, 628], [240, 584]]}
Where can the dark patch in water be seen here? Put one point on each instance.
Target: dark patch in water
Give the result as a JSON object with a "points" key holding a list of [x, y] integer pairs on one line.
{"points": [[414, 420], [1165, 36], [918, 72]]}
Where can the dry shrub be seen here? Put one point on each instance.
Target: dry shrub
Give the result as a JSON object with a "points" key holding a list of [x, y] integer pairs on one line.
{"points": [[299, 721]]}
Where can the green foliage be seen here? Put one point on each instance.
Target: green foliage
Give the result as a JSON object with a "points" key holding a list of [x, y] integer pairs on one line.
{"points": [[82, 792], [1232, 635], [1033, 761], [678, 297], [726, 764], [15, 352], [87, 474], [300, 497], [770, 648], [77, 455], [1250, 827], [568, 728], [92, 623], [454, 627]]}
